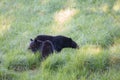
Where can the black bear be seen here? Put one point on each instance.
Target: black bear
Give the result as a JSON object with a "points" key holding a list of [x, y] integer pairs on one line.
{"points": [[51, 43]]}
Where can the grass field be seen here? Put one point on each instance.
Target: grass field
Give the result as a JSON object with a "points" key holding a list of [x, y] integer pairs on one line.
{"points": [[93, 24]]}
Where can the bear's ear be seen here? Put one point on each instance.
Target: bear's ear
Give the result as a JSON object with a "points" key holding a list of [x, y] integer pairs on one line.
{"points": [[31, 39]]}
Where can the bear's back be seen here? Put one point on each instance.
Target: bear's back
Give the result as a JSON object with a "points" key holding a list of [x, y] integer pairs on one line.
{"points": [[44, 37]]}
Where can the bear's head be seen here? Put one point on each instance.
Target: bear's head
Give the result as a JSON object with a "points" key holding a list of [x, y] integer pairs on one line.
{"points": [[70, 43], [74, 44], [35, 45]]}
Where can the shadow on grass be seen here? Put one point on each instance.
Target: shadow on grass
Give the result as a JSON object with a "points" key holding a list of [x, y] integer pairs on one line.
{"points": [[21, 63], [6, 75]]}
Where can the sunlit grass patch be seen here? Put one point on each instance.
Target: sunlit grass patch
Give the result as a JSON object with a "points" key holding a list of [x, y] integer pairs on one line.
{"points": [[64, 15], [105, 8], [5, 24], [91, 49], [61, 18], [116, 6]]}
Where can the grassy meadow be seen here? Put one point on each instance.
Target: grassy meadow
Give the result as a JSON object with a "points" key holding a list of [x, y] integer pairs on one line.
{"points": [[93, 24]]}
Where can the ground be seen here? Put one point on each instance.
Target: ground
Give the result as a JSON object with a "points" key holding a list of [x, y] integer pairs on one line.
{"points": [[93, 24]]}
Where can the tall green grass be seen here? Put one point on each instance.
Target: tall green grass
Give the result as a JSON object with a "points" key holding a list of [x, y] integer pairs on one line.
{"points": [[93, 24]]}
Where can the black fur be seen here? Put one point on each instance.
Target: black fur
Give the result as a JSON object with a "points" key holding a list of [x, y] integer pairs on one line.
{"points": [[48, 44], [35, 45], [59, 42], [47, 48]]}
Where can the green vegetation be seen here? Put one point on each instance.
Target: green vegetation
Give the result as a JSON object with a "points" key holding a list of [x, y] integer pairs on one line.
{"points": [[93, 24]]}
